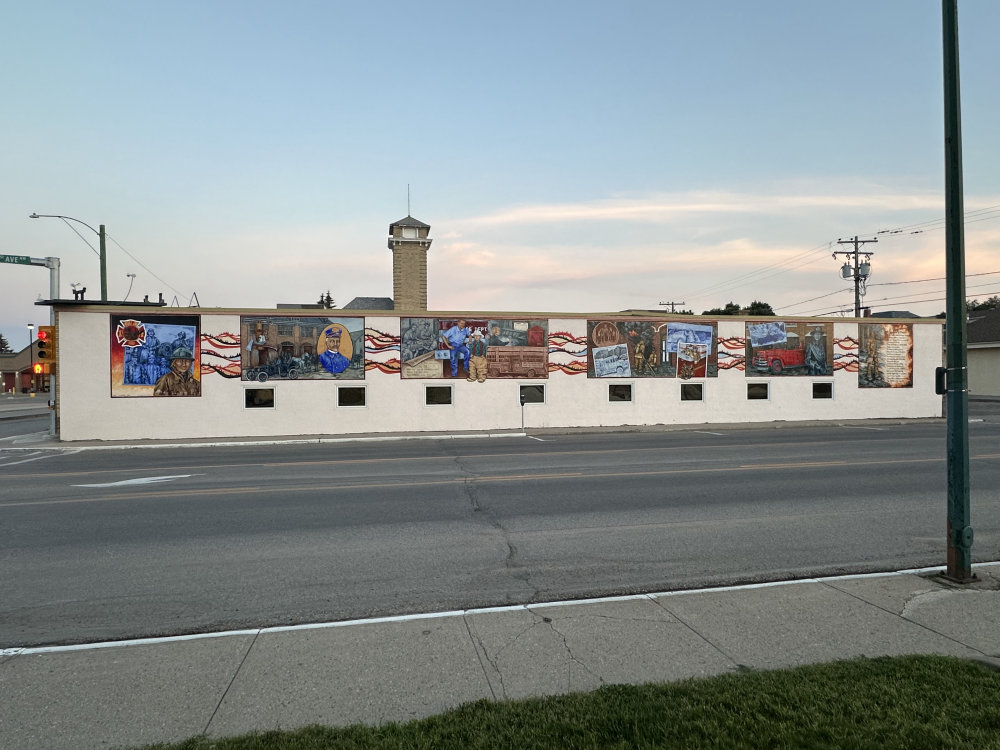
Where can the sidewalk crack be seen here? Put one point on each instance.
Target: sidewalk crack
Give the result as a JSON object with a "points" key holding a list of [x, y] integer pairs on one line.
{"points": [[569, 652], [225, 692], [480, 647], [686, 624], [902, 616]]}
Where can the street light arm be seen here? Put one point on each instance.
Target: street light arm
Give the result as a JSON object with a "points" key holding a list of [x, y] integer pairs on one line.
{"points": [[66, 218], [103, 254]]}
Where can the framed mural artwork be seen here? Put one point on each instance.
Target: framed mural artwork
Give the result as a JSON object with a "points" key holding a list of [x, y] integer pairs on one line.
{"points": [[885, 356], [436, 348], [302, 348], [689, 350], [789, 348], [657, 348], [155, 355]]}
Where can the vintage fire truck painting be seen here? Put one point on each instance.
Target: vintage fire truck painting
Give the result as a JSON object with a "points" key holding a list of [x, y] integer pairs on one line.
{"points": [[789, 348]]}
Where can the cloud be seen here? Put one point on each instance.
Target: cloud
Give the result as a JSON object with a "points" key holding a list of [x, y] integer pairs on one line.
{"points": [[674, 207]]}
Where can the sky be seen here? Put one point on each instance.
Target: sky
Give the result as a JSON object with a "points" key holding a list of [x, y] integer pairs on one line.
{"points": [[570, 156]]}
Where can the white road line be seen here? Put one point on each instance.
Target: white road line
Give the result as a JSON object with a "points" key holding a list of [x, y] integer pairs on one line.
{"points": [[29, 459], [458, 613], [703, 432], [139, 480]]}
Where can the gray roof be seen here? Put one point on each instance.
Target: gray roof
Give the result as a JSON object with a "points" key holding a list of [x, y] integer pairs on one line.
{"points": [[370, 303], [895, 314], [409, 221], [983, 327]]}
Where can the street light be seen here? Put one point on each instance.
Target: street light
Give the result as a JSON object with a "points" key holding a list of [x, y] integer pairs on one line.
{"points": [[103, 253]]}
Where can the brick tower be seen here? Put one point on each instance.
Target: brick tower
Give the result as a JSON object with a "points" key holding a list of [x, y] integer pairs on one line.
{"points": [[409, 244]]}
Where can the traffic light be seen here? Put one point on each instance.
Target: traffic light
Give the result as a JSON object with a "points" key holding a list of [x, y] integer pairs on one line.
{"points": [[47, 343], [37, 368]]}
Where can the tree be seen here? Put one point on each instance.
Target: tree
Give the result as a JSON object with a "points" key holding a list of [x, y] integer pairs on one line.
{"points": [[759, 308], [755, 308], [993, 303], [4, 345], [731, 308], [327, 301], [974, 305]]}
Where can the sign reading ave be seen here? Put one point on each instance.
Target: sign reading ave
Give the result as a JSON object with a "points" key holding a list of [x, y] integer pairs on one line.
{"points": [[23, 259]]}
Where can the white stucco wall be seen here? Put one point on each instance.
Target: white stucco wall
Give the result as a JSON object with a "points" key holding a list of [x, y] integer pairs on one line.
{"points": [[393, 404]]}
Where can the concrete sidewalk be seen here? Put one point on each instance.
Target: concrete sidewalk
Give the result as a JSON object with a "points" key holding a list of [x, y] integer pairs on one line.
{"points": [[396, 669]]}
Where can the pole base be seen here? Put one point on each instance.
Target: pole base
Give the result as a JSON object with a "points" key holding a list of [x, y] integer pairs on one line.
{"points": [[972, 578]]}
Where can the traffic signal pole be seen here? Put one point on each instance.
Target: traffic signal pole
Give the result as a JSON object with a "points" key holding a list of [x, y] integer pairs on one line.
{"points": [[52, 263]]}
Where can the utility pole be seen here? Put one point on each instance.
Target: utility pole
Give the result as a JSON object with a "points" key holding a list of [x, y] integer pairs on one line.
{"points": [[672, 309], [860, 271], [959, 544]]}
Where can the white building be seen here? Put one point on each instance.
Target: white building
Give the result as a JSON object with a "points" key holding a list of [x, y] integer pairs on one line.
{"points": [[133, 371]]}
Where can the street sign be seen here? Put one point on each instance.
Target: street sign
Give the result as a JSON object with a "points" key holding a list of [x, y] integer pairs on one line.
{"points": [[22, 259]]}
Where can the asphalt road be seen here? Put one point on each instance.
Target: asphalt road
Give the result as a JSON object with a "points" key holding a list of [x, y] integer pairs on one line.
{"points": [[24, 425], [117, 544]]}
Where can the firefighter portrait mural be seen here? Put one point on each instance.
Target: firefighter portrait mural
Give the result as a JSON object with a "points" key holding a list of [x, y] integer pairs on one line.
{"points": [[302, 348], [155, 355], [885, 356], [454, 348], [789, 348], [644, 348]]}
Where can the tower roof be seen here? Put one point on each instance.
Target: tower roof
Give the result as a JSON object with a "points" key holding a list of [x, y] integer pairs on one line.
{"points": [[409, 221]]}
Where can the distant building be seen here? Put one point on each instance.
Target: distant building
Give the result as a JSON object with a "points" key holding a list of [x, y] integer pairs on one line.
{"points": [[983, 352], [893, 314], [370, 303]]}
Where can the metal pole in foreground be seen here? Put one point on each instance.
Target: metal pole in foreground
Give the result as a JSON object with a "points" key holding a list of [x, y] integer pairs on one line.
{"points": [[104, 265], [957, 398]]}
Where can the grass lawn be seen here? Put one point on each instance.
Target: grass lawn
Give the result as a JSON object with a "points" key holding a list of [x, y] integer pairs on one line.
{"points": [[903, 702]]}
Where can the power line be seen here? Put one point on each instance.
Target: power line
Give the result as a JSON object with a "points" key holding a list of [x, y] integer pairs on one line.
{"points": [[735, 283], [939, 278], [987, 213], [904, 300], [813, 299], [77, 232], [175, 291], [884, 283], [979, 214]]}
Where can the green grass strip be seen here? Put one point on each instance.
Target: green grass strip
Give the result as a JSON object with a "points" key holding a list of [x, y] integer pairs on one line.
{"points": [[909, 703]]}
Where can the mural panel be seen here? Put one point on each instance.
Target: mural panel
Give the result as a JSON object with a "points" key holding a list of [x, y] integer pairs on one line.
{"points": [[381, 351], [220, 354], [885, 357], [787, 348], [302, 348], [473, 348], [568, 352], [660, 348], [155, 355]]}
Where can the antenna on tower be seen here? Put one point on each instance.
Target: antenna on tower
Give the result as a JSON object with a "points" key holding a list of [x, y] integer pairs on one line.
{"points": [[407, 199]]}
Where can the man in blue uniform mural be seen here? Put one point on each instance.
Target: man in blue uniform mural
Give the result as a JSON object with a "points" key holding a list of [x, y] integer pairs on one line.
{"points": [[331, 359], [454, 338]]}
